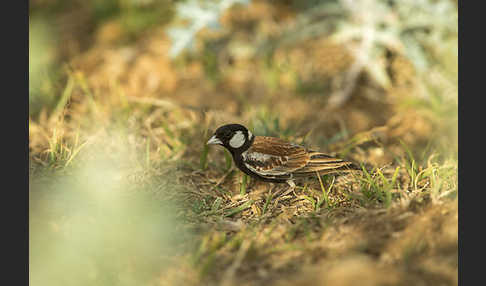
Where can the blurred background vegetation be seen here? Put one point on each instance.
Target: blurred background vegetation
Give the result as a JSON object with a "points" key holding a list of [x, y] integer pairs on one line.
{"points": [[385, 52], [141, 84]]}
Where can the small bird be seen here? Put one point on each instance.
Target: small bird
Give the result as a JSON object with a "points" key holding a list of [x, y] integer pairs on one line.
{"points": [[272, 159]]}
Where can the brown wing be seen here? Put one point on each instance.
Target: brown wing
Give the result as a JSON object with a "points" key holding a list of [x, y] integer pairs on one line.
{"points": [[273, 157]]}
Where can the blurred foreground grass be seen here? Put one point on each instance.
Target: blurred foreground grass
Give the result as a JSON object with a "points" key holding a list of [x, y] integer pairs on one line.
{"points": [[123, 190]]}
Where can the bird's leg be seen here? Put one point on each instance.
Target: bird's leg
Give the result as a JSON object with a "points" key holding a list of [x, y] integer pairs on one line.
{"points": [[291, 187], [277, 196], [291, 184], [271, 194]]}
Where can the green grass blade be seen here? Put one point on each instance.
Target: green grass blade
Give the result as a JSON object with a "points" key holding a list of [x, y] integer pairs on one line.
{"points": [[75, 152], [238, 209], [203, 160], [311, 200], [66, 94], [244, 182], [267, 202], [216, 204], [228, 158]]}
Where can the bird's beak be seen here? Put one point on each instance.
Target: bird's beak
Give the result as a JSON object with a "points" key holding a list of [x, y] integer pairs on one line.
{"points": [[214, 140]]}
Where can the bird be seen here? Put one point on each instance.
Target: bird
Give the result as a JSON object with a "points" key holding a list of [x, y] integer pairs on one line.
{"points": [[271, 159]]}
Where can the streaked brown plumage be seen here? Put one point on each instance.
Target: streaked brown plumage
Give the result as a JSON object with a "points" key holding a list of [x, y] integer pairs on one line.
{"points": [[287, 160], [273, 159]]}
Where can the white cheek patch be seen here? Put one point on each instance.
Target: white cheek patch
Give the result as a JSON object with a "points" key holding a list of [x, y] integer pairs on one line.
{"points": [[237, 140]]}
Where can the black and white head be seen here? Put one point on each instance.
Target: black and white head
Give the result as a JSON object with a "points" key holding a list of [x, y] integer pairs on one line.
{"points": [[234, 137]]}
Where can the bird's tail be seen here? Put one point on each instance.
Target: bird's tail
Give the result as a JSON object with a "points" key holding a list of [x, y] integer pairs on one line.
{"points": [[325, 164]]}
